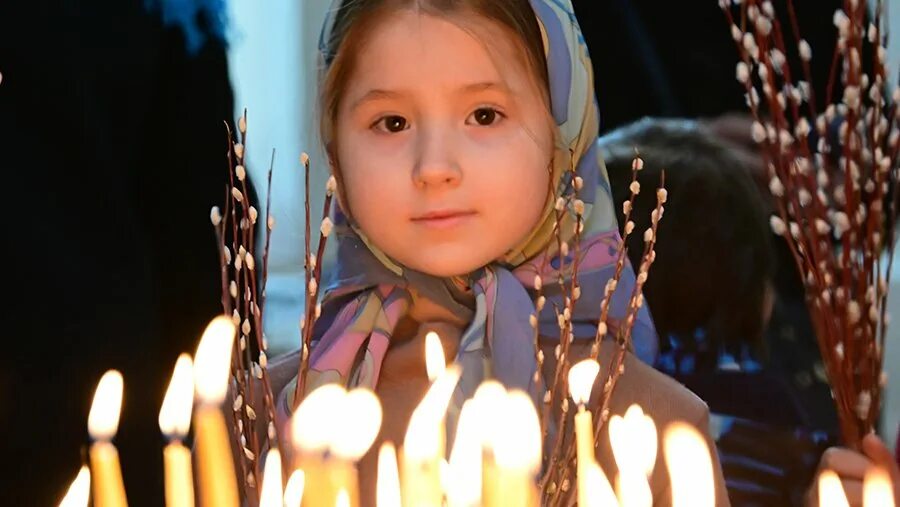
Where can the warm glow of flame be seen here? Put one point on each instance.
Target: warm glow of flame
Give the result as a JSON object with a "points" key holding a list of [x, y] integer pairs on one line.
{"points": [[272, 494], [313, 423], [581, 380], [212, 362], [634, 440], [435, 362], [519, 445], [343, 499], [293, 492], [877, 489], [488, 398], [79, 492], [831, 492], [387, 493], [103, 419], [175, 414], [356, 425], [633, 489], [464, 469], [600, 492], [421, 440], [690, 466]]}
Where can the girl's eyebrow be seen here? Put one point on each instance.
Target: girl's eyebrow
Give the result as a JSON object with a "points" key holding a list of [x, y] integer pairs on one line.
{"points": [[380, 94]]}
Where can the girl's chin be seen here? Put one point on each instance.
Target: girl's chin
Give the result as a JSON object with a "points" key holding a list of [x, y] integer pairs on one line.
{"points": [[448, 260]]}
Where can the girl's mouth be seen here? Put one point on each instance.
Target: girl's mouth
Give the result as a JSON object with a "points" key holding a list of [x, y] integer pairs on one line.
{"points": [[443, 219]]}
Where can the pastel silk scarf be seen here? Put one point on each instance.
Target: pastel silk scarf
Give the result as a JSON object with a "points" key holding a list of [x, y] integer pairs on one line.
{"points": [[368, 293]]}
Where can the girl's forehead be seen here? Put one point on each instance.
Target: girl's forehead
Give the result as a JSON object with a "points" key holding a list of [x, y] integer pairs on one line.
{"points": [[407, 47]]}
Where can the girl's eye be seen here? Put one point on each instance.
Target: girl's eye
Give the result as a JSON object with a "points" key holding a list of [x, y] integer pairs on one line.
{"points": [[486, 116], [393, 123]]}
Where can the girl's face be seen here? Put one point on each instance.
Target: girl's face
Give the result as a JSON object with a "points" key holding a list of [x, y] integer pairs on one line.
{"points": [[445, 161]]}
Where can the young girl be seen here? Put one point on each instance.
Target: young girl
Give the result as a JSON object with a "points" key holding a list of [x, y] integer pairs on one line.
{"points": [[452, 128]]}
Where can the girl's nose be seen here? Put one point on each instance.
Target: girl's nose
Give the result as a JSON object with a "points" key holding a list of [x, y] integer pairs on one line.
{"points": [[436, 164]]}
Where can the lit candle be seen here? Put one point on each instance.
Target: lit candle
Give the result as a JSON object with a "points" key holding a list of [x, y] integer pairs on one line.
{"points": [[293, 492], [312, 430], [599, 491], [489, 396], [387, 489], [877, 489], [271, 494], [435, 366], [357, 424], [103, 422], [633, 440], [517, 451], [690, 466], [831, 493], [581, 382], [79, 491], [212, 363], [174, 422], [464, 467], [422, 453]]}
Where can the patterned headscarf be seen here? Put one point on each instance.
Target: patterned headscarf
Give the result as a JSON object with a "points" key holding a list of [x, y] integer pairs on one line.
{"points": [[368, 292]]}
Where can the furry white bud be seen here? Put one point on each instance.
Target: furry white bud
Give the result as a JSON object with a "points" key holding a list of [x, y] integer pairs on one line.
{"points": [[635, 187], [805, 50], [777, 225], [578, 205], [326, 227], [304, 158], [776, 187], [742, 72], [240, 172], [758, 132], [253, 215], [560, 204], [331, 185], [215, 216]]}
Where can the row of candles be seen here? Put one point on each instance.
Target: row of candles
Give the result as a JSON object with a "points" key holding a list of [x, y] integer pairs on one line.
{"points": [[495, 457]]}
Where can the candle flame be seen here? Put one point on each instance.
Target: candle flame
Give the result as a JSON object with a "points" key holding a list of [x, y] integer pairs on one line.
{"points": [[357, 424], [175, 414], [79, 491], [831, 493], [421, 441], [387, 493], [343, 499], [581, 380], [313, 423], [600, 491], [877, 488], [212, 362], [435, 362], [293, 492], [271, 494], [464, 470], [519, 445], [488, 397], [103, 419], [690, 466], [634, 440]]}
